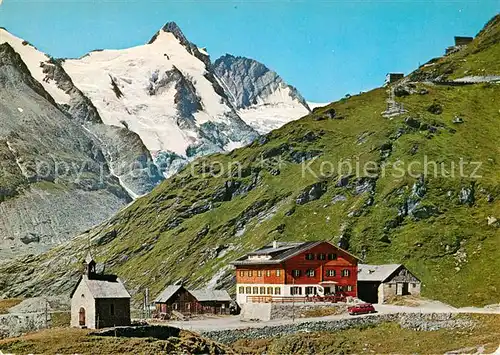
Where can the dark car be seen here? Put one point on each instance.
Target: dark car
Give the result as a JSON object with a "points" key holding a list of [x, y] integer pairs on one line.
{"points": [[364, 308]]}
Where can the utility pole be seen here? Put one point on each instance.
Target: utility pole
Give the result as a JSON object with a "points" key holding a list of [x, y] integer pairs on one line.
{"points": [[46, 313], [293, 298], [144, 306], [148, 315]]}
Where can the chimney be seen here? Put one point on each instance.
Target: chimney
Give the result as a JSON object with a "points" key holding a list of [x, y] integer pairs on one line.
{"points": [[275, 244]]}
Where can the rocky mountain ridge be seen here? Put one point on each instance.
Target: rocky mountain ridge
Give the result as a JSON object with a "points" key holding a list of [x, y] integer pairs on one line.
{"points": [[56, 181], [261, 96]]}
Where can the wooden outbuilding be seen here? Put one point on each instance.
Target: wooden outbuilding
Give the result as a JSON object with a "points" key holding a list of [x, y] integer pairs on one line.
{"points": [[178, 298]]}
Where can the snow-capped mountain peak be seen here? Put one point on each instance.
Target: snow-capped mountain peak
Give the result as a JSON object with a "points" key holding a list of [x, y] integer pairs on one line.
{"points": [[174, 29], [36, 61], [164, 91], [261, 96]]}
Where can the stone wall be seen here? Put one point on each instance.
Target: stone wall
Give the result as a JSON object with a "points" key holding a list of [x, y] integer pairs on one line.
{"points": [[256, 311], [388, 290], [268, 311], [415, 321], [147, 331], [12, 325], [299, 310]]}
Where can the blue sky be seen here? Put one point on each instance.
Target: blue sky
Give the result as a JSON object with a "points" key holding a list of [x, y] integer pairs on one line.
{"points": [[324, 48]]}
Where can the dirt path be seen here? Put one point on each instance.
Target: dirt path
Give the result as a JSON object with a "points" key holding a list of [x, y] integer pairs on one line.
{"points": [[394, 108], [234, 322]]}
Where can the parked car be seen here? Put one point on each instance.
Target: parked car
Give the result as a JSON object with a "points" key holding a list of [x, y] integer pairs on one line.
{"points": [[364, 308]]}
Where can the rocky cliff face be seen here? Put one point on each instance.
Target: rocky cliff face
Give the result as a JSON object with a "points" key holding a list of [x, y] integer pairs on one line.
{"points": [[55, 180], [260, 95]]}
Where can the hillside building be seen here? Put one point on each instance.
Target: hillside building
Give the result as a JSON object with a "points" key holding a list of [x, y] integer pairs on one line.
{"points": [[460, 42], [296, 269], [392, 78], [98, 300], [377, 283], [463, 41]]}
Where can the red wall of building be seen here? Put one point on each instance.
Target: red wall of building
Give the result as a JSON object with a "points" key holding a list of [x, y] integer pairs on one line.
{"points": [[344, 261]]}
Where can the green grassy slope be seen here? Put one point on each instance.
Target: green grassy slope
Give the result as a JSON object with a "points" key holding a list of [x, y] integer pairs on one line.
{"points": [[194, 224]]}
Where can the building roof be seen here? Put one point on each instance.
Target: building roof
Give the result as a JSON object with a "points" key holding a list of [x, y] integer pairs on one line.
{"points": [[376, 272], [104, 286], [211, 295], [107, 288], [167, 293], [278, 252], [202, 295]]}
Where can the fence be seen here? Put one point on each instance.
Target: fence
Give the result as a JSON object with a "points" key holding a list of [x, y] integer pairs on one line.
{"points": [[163, 311], [275, 299]]}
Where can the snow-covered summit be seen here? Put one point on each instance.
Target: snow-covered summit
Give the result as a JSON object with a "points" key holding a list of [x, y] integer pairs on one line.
{"points": [[174, 29], [33, 58], [164, 91], [262, 97]]}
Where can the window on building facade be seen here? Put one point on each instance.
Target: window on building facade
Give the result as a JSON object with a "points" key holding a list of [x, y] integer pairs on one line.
{"points": [[268, 273], [310, 290], [413, 285], [309, 256], [321, 256], [241, 289], [330, 273], [295, 290], [277, 291], [332, 256], [259, 273], [296, 273], [262, 290], [310, 273], [340, 288], [255, 290], [242, 273], [278, 273], [349, 288], [250, 273], [249, 290], [346, 273], [269, 290]]}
